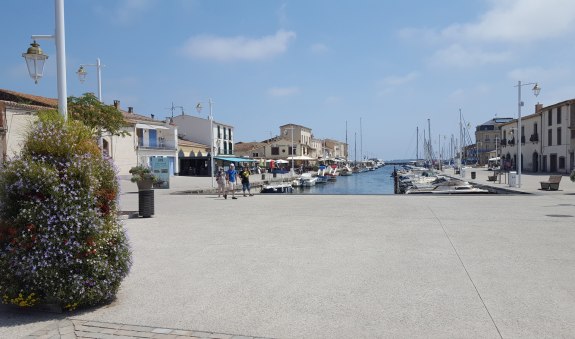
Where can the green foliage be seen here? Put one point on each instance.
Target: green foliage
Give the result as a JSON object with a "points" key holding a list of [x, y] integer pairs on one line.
{"points": [[141, 173], [572, 176], [96, 115], [60, 240]]}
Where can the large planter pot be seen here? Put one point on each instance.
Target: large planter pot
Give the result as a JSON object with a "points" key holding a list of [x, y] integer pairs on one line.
{"points": [[145, 184], [146, 203]]}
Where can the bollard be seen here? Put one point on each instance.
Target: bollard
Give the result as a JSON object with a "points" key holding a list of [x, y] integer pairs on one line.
{"points": [[146, 203]]}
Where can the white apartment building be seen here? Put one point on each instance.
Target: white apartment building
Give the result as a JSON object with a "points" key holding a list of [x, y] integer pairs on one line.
{"points": [[547, 139], [197, 129], [148, 138]]}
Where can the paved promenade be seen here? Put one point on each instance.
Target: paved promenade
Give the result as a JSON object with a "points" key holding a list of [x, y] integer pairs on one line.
{"points": [[315, 266]]}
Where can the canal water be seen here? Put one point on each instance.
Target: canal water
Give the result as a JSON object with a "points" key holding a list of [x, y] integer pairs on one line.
{"points": [[378, 181]]}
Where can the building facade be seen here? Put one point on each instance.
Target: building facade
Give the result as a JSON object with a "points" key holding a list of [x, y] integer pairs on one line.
{"points": [[547, 139], [487, 136]]}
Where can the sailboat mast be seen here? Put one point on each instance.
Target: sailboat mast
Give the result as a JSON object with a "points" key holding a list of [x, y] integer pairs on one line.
{"points": [[346, 145], [460, 141], [430, 147], [360, 140], [355, 148], [417, 145]]}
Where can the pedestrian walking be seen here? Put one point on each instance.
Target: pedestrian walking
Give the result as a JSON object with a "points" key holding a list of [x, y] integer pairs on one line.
{"points": [[221, 180], [245, 176], [231, 176]]}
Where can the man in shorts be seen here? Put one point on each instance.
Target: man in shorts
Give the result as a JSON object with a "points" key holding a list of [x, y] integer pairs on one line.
{"points": [[245, 175], [231, 178]]}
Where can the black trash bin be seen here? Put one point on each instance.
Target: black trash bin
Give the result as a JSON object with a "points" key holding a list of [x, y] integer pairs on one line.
{"points": [[146, 203], [472, 175]]}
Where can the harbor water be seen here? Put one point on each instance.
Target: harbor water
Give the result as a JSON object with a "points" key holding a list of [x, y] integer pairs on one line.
{"points": [[378, 181]]}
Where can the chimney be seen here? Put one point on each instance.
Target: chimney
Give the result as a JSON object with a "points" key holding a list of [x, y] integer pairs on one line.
{"points": [[117, 104], [538, 107], [152, 116], [130, 109]]}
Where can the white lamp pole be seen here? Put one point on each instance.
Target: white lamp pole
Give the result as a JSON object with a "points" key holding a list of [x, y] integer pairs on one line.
{"points": [[292, 152], [536, 89], [211, 117], [82, 76], [35, 58]]}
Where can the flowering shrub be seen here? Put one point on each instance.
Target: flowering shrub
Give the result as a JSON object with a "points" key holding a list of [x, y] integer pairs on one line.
{"points": [[60, 240]]}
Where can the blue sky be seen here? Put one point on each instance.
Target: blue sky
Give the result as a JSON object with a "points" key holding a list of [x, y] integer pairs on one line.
{"points": [[316, 63]]}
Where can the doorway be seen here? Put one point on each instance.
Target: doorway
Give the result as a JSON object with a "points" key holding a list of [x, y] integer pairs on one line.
{"points": [[535, 160], [553, 163]]}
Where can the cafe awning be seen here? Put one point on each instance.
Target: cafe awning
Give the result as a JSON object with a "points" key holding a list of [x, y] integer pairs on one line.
{"points": [[146, 126], [236, 159]]}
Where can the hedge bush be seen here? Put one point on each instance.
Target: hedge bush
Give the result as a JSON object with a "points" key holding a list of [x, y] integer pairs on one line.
{"points": [[60, 238]]}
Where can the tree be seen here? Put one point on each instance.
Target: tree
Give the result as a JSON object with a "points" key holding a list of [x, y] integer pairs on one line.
{"points": [[97, 116]]}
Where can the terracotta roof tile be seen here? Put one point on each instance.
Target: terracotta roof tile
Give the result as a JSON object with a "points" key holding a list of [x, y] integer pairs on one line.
{"points": [[27, 99]]}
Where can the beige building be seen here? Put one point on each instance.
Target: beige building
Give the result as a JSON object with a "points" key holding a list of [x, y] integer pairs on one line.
{"points": [[487, 136], [547, 139]]}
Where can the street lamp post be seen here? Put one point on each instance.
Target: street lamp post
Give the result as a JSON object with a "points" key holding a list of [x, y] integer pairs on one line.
{"points": [[292, 152], [536, 89], [82, 76], [211, 117], [35, 58]]}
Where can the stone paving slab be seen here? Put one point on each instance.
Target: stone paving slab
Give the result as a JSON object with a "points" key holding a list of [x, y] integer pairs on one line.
{"points": [[74, 328], [492, 266]]}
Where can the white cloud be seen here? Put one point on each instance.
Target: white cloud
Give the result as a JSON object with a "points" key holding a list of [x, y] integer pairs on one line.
{"points": [[238, 48], [498, 34], [332, 100], [319, 48], [282, 91], [129, 10], [540, 74], [518, 21], [399, 80], [460, 56]]}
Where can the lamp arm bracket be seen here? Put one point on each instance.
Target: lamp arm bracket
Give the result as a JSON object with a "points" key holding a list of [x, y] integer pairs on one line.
{"points": [[43, 37]]}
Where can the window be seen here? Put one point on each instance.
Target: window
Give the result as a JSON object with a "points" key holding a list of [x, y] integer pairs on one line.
{"points": [[219, 133], [558, 135], [535, 128], [550, 137], [561, 162], [275, 151], [140, 134], [291, 150], [255, 155], [558, 115], [229, 134], [549, 117], [230, 148]]}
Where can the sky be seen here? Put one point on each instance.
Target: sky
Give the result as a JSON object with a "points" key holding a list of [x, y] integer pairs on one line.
{"points": [[371, 71]]}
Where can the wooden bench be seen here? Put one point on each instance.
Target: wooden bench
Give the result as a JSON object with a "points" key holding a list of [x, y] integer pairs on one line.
{"points": [[552, 184], [492, 177]]}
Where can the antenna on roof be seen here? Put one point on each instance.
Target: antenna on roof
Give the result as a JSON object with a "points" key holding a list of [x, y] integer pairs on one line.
{"points": [[174, 107]]}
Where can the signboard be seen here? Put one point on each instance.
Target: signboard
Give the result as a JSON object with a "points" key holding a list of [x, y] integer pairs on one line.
{"points": [[161, 169]]}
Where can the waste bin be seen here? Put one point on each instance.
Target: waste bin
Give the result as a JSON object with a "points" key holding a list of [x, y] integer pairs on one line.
{"points": [[472, 175], [146, 203], [512, 179]]}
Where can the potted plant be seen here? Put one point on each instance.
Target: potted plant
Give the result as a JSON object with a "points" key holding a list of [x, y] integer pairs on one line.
{"points": [[143, 177]]}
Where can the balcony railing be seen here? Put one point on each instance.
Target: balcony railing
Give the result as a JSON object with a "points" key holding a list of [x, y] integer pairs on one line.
{"points": [[534, 138]]}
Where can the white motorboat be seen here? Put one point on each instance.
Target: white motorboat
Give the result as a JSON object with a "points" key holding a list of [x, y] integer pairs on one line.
{"points": [[277, 188], [307, 180]]}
